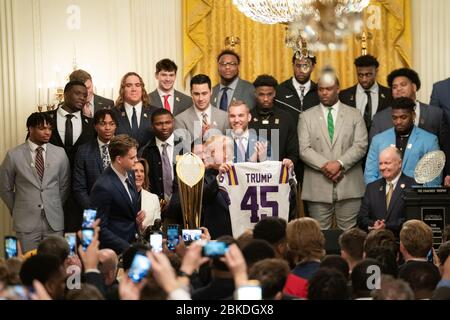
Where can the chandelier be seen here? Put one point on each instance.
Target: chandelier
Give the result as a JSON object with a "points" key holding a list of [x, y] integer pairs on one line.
{"points": [[323, 24]]}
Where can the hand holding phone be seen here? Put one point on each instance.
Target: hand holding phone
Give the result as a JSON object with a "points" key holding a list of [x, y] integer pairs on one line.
{"points": [[89, 216], [10, 247], [172, 236], [139, 267], [72, 241], [87, 234], [191, 235], [215, 249], [156, 242]]}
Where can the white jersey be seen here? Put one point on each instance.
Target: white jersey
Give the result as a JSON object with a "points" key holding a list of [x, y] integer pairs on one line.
{"points": [[256, 191]]}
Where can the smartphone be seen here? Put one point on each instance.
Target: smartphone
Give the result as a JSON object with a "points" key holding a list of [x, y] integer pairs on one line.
{"points": [[139, 267], [87, 234], [251, 291], [430, 256], [156, 242], [215, 249], [71, 239], [190, 235], [89, 216], [172, 236], [10, 247]]}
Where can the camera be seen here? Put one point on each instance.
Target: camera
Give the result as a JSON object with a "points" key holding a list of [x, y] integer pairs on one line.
{"points": [[139, 267]]}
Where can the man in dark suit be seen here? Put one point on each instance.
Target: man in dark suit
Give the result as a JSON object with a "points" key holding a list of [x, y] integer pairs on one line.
{"points": [[133, 110], [70, 130], [382, 206], [92, 158], [165, 96], [298, 93], [405, 83], [93, 102], [231, 87], [368, 96], [115, 196], [440, 96]]}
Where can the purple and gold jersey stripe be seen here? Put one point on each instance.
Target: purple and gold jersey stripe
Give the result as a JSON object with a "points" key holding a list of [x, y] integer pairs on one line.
{"points": [[284, 174], [232, 177]]}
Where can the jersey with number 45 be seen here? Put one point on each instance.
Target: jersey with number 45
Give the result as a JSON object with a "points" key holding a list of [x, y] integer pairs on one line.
{"points": [[256, 191]]}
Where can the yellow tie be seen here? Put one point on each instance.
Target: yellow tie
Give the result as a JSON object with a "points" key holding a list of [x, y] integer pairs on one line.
{"points": [[389, 194]]}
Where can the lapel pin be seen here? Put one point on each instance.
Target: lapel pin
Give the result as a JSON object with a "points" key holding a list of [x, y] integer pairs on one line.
{"points": [[123, 114], [178, 99], [409, 146], [382, 95], [255, 119], [402, 186], [86, 120], [145, 115], [265, 122], [381, 188], [277, 121], [215, 123], [352, 98]]}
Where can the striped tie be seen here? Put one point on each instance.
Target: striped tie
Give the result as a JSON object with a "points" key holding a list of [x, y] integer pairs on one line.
{"points": [[39, 162], [330, 124]]}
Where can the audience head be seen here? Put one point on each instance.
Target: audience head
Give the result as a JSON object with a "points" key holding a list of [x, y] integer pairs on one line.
{"points": [[363, 280], [352, 245], [108, 265], [13, 266], [305, 239], [128, 254], [75, 95], [381, 238], [404, 82], [336, 262], [105, 124], [416, 240], [422, 277], [303, 67], [386, 258], [265, 90], [201, 91], [228, 61], [273, 230], [328, 87], [86, 292], [272, 275], [257, 250], [163, 124], [216, 264], [56, 246], [132, 90], [39, 125], [390, 163], [393, 289], [166, 73], [443, 253], [328, 284], [366, 70]]}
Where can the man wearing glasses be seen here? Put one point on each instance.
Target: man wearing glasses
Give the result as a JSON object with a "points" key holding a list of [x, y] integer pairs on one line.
{"points": [[231, 87]]}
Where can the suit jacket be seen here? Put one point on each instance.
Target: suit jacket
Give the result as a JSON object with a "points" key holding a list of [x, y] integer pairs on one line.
{"points": [[87, 134], [189, 121], [180, 102], [102, 103], [348, 96], [88, 167], [25, 195], [349, 145], [440, 96], [145, 131], [115, 210], [288, 99], [373, 206], [419, 143], [244, 91], [432, 119]]}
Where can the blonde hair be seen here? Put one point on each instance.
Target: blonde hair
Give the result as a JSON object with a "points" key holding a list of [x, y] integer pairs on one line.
{"points": [[305, 239], [144, 98]]}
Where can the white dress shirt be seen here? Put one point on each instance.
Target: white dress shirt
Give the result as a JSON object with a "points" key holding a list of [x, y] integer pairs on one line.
{"points": [[170, 99], [417, 111], [170, 148], [361, 98], [33, 148], [129, 111], [334, 113], [394, 182], [297, 85], [122, 179], [61, 124]]}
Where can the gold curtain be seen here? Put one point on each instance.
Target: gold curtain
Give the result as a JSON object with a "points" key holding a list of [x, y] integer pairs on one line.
{"points": [[208, 22]]}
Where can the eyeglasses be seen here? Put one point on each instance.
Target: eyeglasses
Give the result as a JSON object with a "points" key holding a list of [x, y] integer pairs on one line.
{"points": [[231, 64]]}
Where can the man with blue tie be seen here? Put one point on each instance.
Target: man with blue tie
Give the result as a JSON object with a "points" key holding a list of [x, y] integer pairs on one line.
{"points": [[115, 196], [92, 158]]}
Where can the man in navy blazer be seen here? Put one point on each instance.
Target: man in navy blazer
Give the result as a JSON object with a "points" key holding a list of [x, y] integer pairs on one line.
{"points": [[375, 212], [92, 158], [115, 197], [412, 141], [440, 96]]}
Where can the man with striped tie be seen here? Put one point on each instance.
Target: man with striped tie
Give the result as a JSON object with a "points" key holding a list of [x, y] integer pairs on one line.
{"points": [[35, 182]]}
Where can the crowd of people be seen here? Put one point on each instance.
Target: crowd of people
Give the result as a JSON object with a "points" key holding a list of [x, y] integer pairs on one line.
{"points": [[352, 153]]}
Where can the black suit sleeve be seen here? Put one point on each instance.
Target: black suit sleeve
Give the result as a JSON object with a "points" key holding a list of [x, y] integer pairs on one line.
{"points": [[292, 150], [364, 221], [79, 183]]}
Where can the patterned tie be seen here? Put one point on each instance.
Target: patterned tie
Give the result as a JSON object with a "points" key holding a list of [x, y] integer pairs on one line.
{"points": [[389, 194], [302, 95], [368, 110], [167, 171], [330, 124], [39, 162], [224, 99], [166, 102], [205, 119], [68, 136], [134, 124], [105, 156]]}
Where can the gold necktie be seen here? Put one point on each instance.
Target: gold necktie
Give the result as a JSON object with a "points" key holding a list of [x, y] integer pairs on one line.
{"points": [[389, 194]]}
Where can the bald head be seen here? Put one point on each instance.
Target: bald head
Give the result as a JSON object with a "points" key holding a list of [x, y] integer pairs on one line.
{"points": [[107, 264], [390, 163]]}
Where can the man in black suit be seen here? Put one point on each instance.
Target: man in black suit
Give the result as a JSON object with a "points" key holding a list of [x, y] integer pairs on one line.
{"points": [[72, 129], [165, 96], [115, 196], [93, 102], [298, 93], [368, 96], [405, 82], [382, 206], [92, 158], [133, 110]]}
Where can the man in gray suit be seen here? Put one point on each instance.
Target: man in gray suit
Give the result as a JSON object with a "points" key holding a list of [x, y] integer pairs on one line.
{"points": [[405, 82], [333, 140], [165, 96], [201, 119], [35, 182], [440, 96], [231, 87]]}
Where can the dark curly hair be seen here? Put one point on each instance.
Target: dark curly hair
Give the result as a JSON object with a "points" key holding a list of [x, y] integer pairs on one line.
{"points": [[366, 61], [404, 72]]}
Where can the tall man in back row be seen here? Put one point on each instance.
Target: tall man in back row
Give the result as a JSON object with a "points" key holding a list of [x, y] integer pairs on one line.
{"points": [[333, 140]]}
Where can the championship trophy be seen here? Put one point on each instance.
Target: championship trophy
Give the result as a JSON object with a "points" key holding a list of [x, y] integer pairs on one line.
{"points": [[429, 167], [190, 172]]}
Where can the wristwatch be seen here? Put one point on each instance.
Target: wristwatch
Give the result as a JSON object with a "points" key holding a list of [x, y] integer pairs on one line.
{"points": [[183, 274]]}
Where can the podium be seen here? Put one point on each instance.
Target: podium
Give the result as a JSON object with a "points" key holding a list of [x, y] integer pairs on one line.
{"points": [[432, 206]]}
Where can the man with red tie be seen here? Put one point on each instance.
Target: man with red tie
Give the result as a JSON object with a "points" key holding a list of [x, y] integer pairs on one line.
{"points": [[165, 96]]}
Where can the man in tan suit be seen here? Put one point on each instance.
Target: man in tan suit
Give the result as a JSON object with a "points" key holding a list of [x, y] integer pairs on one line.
{"points": [[333, 140]]}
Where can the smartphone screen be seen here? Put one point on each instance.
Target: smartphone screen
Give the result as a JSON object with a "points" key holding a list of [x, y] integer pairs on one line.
{"points": [[89, 218], [249, 292], [72, 241], [87, 234], [10, 247], [139, 267], [215, 249], [172, 236], [190, 235], [156, 242]]}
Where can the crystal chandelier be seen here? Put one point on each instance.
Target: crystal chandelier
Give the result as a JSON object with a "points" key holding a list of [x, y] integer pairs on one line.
{"points": [[323, 24]]}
